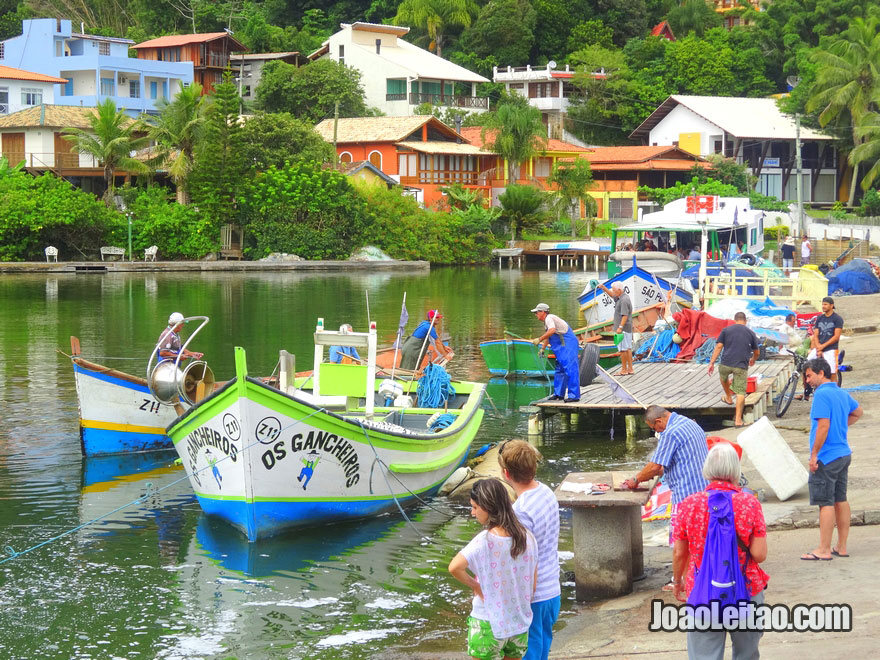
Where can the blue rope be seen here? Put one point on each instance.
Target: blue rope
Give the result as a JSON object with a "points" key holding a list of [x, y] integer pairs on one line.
{"points": [[863, 388], [435, 387], [704, 353], [442, 422], [658, 348]]}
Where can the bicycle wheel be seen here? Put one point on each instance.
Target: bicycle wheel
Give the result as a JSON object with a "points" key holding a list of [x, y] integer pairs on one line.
{"points": [[787, 395]]}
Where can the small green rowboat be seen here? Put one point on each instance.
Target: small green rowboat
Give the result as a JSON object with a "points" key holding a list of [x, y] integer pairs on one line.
{"points": [[515, 356]]}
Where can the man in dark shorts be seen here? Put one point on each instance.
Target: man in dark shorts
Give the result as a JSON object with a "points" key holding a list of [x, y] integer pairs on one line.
{"points": [[740, 345], [827, 328], [832, 413], [787, 249]]}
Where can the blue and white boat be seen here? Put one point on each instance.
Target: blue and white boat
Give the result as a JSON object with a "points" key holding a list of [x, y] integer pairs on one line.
{"points": [[647, 291]]}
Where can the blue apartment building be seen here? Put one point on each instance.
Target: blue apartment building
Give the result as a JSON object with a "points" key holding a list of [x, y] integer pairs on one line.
{"points": [[95, 67]]}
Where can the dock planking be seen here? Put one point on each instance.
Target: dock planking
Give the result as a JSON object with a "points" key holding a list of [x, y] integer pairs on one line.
{"points": [[677, 386]]}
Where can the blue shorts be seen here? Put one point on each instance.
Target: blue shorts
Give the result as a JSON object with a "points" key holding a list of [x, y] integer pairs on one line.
{"points": [[544, 615]]}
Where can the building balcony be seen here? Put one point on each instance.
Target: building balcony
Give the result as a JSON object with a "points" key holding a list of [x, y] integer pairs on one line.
{"points": [[55, 161], [550, 103], [444, 178], [478, 102]]}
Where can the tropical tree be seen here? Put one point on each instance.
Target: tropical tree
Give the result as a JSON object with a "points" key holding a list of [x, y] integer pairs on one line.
{"points": [[572, 181], [693, 16], [436, 17], [277, 138], [515, 132], [111, 138], [868, 151], [848, 82], [177, 132], [523, 207]]}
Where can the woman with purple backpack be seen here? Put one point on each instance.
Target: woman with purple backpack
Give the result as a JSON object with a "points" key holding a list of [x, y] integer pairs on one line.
{"points": [[715, 528]]}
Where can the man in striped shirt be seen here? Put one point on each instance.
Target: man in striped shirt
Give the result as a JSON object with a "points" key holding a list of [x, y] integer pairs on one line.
{"points": [[680, 454], [538, 511]]}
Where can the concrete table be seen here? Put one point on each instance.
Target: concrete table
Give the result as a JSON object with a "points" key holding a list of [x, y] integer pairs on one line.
{"points": [[607, 531]]}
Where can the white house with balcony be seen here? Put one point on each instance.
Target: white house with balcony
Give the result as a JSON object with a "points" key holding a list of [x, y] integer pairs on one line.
{"points": [[93, 67], [397, 76], [547, 89], [21, 89], [751, 131]]}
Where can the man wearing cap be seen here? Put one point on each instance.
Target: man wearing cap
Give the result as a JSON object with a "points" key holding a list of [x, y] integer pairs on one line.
{"points": [[827, 328], [787, 250], [564, 345], [169, 345], [622, 326], [413, 350]]}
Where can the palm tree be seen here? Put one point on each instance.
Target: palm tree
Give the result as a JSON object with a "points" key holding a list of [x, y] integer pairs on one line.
{"points": [[573, 181], [110, 140], [515, 132], [523, 207], [436, 17], [695, 16], [868, 151], [177, 132], [847, 81]]}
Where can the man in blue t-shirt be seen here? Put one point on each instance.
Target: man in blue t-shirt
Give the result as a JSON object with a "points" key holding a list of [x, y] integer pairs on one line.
{"points": [[832, 413]]}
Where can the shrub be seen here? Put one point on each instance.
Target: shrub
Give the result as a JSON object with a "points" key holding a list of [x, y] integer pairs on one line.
{"points": [[870, 204], [776, 232], [304, 210], [180, 232], [45, 210]]}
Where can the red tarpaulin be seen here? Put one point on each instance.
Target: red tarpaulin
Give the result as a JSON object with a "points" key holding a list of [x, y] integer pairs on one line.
{"points": [[694, 327]]}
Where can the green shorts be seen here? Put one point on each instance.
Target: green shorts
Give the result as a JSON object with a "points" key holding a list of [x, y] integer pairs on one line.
{"points": [[482, 643], [740, 376]]}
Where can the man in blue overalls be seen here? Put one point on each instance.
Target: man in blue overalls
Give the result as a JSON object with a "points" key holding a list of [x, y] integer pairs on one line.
{"points": [[564, 345]]}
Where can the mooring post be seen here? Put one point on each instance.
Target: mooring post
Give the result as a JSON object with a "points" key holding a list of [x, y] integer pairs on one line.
{"points": [[536, 425]]}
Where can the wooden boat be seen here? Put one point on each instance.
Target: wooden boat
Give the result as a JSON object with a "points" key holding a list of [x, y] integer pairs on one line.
{"points": [[649, 294], [356, 443], [514, 356]]}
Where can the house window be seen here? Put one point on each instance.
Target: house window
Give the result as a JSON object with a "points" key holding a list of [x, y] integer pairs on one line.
{"points": [[4, 100], [58, 47], [376, 159], [103, 48], [31, 96], [407, 165], [345, 157], [154, 89], [2, 50], [108, 87], [246, 91], [395, 89], [620, 209], [165, 88], [341, 54], [543, 167], [134, 89]]}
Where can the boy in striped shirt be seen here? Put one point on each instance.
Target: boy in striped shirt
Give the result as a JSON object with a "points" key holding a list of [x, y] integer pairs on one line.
{"points": [[538, 511]]}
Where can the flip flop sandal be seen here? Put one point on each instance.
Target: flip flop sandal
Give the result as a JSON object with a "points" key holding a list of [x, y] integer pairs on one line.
{"points": [[812, 556]]}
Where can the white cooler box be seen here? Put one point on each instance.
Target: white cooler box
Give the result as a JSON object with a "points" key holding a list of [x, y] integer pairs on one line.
{"points": [[773, 458]]}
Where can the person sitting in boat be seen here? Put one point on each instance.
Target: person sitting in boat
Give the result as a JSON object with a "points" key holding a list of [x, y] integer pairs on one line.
{"points": [[169, 346], [694, 254], [414, 347], [564, 345], [344, 354]]}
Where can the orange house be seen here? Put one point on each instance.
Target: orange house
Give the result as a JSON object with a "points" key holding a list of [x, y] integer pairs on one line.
{"points": [[420, 152], [209, 54]]}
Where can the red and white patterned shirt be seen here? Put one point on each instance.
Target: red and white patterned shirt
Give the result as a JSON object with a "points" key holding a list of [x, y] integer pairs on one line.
{"points": [[692, 525]]}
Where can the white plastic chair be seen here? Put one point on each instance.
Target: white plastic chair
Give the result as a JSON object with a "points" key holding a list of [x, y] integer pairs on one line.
{"points": [[150, 253], [51, 254]]}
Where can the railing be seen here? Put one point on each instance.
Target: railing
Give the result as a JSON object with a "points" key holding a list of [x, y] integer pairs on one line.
{"points": [[52, 160], [216, 61], [450, 100], [808, 287], [395, 97], [444, 177]]}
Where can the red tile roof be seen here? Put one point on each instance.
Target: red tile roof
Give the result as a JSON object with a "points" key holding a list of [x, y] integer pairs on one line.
{"points": [[9, 73], [473, 134], [184, 39], [638, 154], [662, 29]]}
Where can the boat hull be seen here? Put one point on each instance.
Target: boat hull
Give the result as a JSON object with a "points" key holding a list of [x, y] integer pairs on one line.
{"points": [[266, 462], [117, 413], [519, 357]]}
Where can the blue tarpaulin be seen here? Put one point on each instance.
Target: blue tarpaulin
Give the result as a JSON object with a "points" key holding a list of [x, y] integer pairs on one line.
{"points": [[715, 268], [766, 308], [856, 277]]}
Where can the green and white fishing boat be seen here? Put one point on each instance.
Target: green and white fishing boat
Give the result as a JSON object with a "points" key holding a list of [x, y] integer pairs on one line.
{"points": [[338, 444]]}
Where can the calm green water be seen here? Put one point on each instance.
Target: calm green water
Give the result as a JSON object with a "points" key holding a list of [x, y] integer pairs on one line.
{"points": [[157, 579]]}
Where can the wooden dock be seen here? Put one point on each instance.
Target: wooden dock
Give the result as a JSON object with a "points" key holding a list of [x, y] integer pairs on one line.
{"points": [[684, 387]]}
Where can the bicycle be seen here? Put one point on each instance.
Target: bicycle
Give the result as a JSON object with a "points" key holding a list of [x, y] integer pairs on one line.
{"points": [[783, 401]]}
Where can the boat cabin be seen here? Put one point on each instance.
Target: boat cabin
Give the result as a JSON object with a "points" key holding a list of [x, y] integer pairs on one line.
{"points": [[677, 229]]}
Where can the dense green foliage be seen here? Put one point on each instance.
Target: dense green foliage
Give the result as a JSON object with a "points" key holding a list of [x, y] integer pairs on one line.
{"points": [[305, 210], [404, 230], [271, 139], [36, 212], [523, 207], [311, 92], [710, 186]]}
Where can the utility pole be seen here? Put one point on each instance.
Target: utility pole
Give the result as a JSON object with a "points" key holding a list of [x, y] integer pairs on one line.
{"points": [[335, 126], [799, 182]]}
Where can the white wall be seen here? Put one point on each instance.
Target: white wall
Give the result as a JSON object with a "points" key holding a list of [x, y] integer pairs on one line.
{"points": [[681, 120], [14, 88]]}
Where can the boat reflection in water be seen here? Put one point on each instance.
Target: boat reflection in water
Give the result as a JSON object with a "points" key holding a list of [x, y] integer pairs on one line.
{"points": [[512, 394]]}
